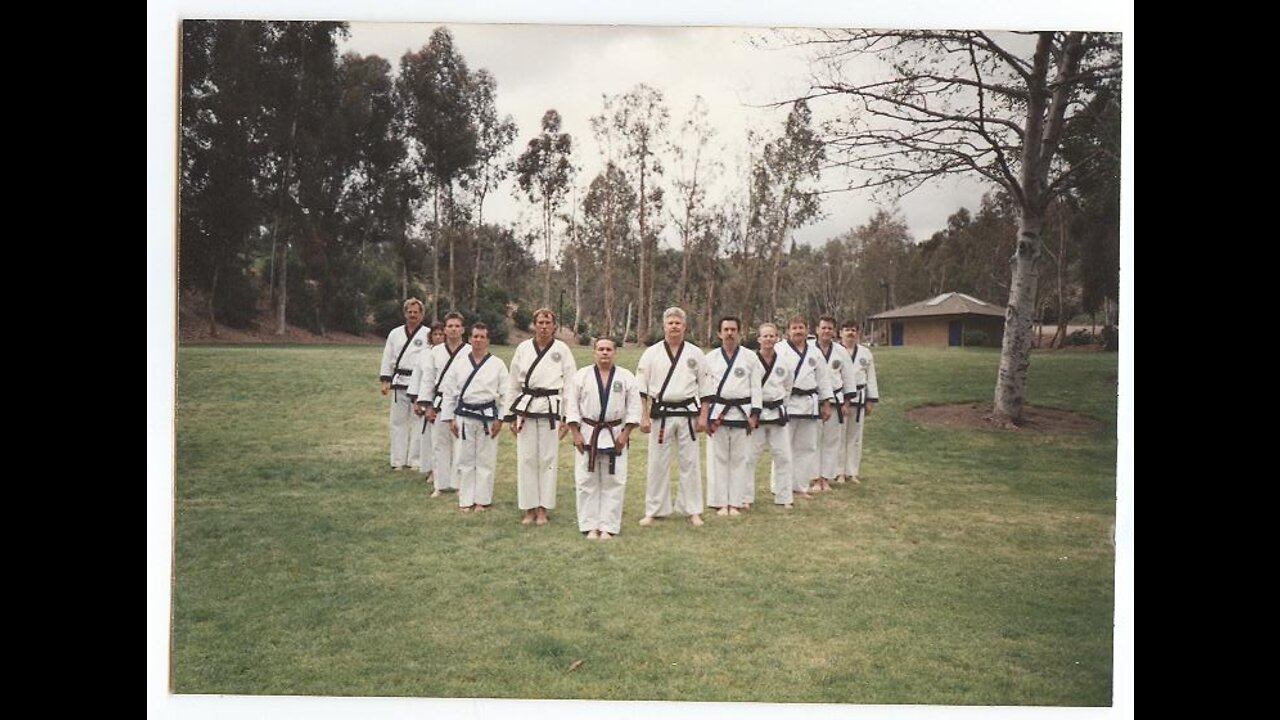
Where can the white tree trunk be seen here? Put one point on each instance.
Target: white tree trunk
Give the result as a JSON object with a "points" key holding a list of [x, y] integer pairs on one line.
{"points": [[1015, 353]]}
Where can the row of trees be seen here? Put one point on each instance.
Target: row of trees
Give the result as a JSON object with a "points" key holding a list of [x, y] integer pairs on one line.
{"points": [[329, 188]]}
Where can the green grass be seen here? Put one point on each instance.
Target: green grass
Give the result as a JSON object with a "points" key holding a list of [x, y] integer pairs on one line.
{"points": [[968, 568]]}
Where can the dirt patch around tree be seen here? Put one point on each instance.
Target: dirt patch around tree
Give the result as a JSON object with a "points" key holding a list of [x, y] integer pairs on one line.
{"points": [[980, 416]]}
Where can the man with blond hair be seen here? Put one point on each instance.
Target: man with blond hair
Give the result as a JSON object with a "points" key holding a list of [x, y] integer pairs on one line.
{"points": [[540, 384], [399, 357], [669, 374], [775, 389], [808, 404]]}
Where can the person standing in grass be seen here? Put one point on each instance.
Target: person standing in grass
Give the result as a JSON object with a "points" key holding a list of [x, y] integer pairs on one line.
{"points": [[808, 404], [430, 400], [473, 391], [606, 399], [669, 374], [730, 391], [399, 357], [773, 431], [541, 380], [424, 375], [831, 431], [862, 398]]}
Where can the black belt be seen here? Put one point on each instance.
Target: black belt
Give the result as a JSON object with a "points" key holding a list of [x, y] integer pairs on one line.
{"points": [[781, 406], [404, 371], [592, 450], [476, 411], [676, 408], [737, 402], [552, 415], [804, 393]]}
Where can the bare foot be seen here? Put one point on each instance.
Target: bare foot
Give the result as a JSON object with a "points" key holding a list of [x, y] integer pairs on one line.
{"points": [[733, 512], [646, 521], [465, 508], [855, 480], [481, 508], [593, 535], [604, 535], [723, 511], [788, 506], [541, 518], [696, 520], [436, 493], [528, 518]]}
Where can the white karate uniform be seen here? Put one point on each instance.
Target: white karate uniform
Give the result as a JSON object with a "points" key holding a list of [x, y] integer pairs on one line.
{"points": [[421, 387], [865, 390], [810, 384], [473, 403], [600, 489], [729, 445], [831, 432], [538, 442], [429, 391], [672, 430], [399, 356], [774, 431]]}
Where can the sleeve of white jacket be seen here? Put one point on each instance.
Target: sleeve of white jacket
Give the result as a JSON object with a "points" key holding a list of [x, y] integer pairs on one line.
{"points": [[573, 413], [756, 373], [569, 371], [449, 392], [388, 359], [873, 388], [632, 392]]}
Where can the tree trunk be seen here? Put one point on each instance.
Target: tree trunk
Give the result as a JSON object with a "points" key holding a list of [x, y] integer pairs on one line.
{"points": [[577, 291], [1060, 335], [642, 323], [453, 269], [435, 259], [626, 329], [711, 283], [284, 296], [213, 291], [1015, 350], [546, 247]]}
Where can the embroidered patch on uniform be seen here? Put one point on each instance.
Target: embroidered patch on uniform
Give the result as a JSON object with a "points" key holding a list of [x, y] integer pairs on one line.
{"points": [[739, 372], [779, 371], [555, 356], [813, 361], [617, 386], [865, 362], [417, 342], [835, 364], [693, 364]]}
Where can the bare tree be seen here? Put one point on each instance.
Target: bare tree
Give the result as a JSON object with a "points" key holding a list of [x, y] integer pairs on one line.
{"points": [[927, 104]]}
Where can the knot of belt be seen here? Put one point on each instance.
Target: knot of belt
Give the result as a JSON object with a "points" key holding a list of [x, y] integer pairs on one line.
{"points": [[593, 450]]}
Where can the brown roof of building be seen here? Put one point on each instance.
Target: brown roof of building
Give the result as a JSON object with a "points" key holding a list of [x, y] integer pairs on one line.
{"points": [[952, 303]]}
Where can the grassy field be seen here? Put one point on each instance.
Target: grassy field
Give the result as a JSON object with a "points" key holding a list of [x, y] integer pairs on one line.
{"points": [[968, 568]]}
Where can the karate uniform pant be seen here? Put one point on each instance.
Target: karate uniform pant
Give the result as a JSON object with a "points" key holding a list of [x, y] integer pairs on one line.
{"points": [[474, 459], [657, 493], [600, 492], [401, 421], [442, 442], [804, 451], [778, 440], [731, 448], [853, 443], [830, 446], [537, 447], [426, 448]]}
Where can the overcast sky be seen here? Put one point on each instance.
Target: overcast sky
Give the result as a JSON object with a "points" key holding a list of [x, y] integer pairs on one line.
{"points": [[570, 68]]}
